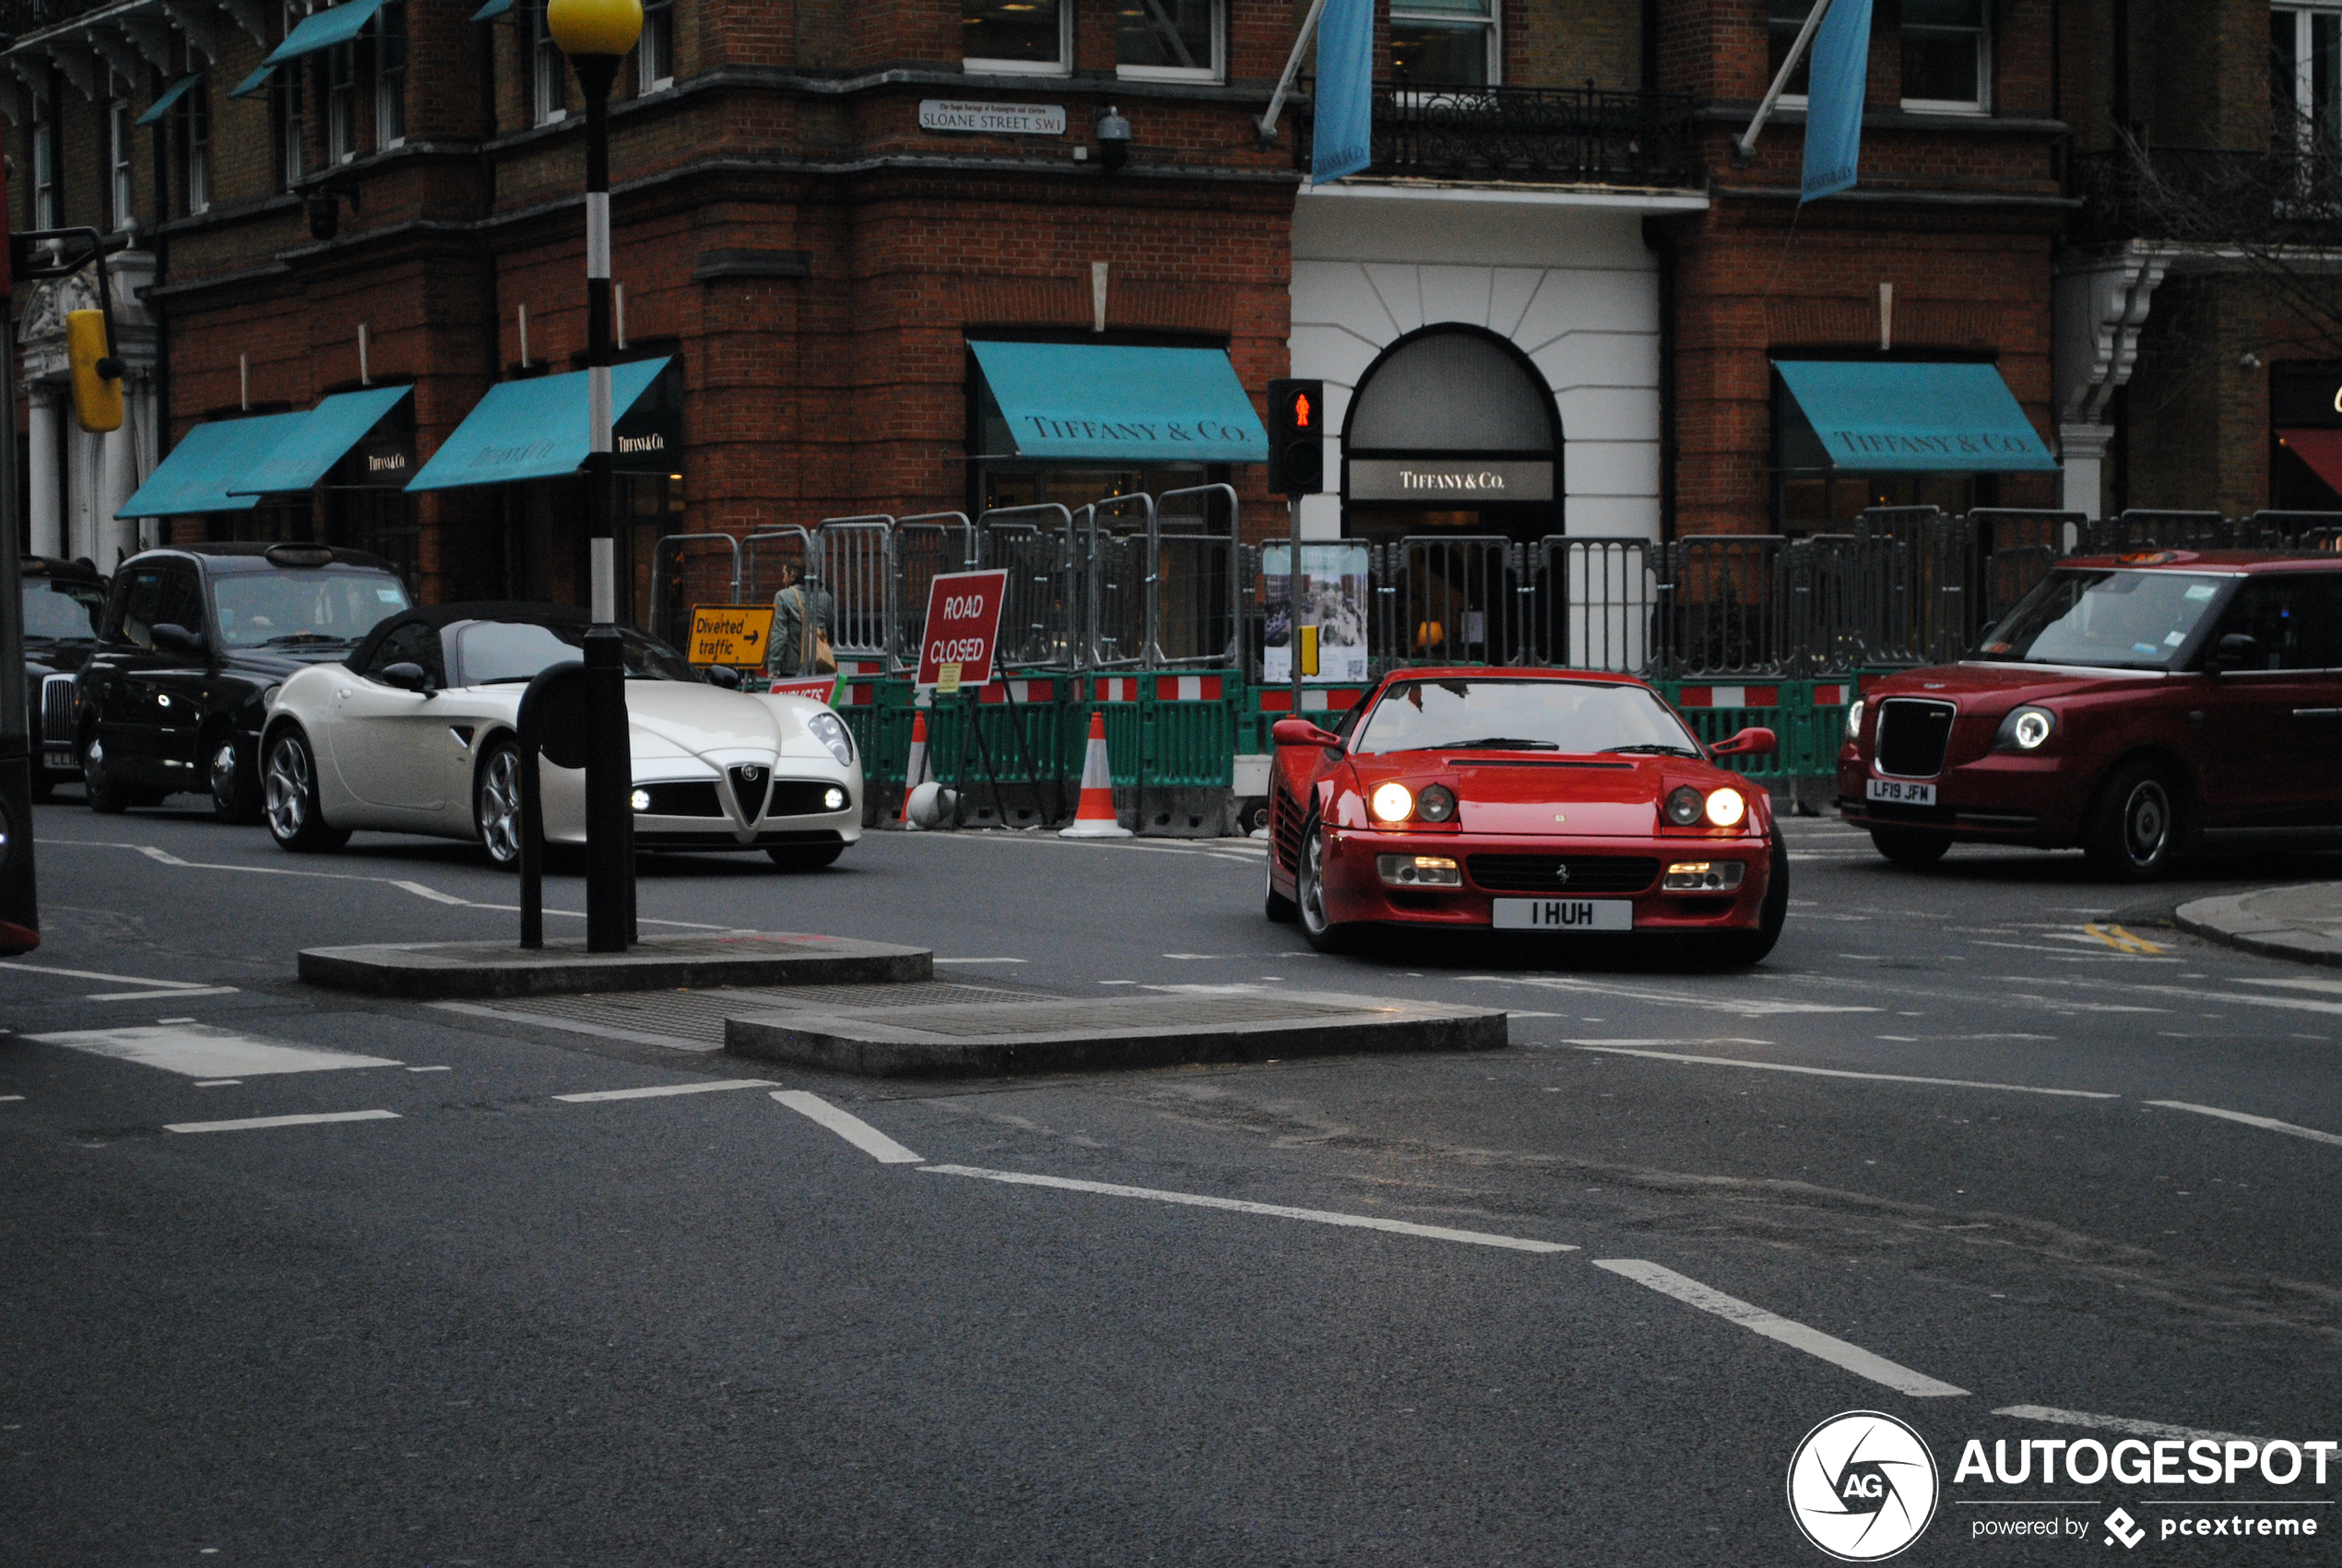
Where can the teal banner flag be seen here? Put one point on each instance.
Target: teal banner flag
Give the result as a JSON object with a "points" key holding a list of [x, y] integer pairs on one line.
{"points": [[1833, 99], [1341, 135]]}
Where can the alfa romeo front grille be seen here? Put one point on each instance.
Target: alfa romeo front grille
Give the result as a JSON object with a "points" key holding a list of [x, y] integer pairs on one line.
{"points": [[1544, 872], [800, 797], [749, 785], [1913, 735], [688, 799]]}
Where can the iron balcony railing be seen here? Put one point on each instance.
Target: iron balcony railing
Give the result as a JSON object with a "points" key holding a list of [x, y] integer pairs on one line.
{"points": [[1545, 136], [2277, 196], [19, 17]]}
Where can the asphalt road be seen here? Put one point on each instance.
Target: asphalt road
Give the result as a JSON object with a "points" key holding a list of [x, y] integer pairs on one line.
{"points": [[1964, 1150]]}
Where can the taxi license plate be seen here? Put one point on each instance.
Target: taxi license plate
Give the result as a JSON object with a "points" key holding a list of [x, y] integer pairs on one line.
{"points": [[1565, 914], [1897, 792]]}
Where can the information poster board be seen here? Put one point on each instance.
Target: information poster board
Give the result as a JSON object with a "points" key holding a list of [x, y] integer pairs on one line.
{"points": [[1333, 600]]}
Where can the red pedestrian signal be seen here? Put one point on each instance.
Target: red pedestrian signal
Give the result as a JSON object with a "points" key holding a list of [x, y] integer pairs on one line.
{"points": [[1296, 445]]}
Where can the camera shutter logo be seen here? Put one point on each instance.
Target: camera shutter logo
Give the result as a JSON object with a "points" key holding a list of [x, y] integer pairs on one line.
{"points": [[1863, 1486]]}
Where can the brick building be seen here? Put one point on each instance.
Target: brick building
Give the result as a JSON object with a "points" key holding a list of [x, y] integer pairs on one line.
{"points": [[1555, 273]]}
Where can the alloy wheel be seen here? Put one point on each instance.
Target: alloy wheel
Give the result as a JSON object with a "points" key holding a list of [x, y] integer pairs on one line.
{"points": [[499, 810], [287, 787], [1312, 883], [2146, 822], [223, 775]]}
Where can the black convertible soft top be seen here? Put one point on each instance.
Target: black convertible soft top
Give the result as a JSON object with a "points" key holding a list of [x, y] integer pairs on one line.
{"points": [[441, 616]]}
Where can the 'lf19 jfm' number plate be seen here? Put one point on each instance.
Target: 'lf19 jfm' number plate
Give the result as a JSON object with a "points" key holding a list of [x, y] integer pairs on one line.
{"points": [[1565, 914], [1897, 792]]}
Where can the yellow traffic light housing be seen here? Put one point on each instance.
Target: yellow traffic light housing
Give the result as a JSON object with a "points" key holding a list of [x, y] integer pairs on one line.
{"points": [[96, 374]]}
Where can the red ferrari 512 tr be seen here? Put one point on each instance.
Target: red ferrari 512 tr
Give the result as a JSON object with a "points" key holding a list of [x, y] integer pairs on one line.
{"points": [[1530, 800]]}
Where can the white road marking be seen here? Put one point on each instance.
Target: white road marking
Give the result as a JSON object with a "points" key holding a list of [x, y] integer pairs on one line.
{"points": [[2088, 1007], [200, 1050], [980, 961], [145, 996], [2108, 1424], [1240, 1206], [217, 1082], [1617, 1050], [1747, 1006], [2295, 1004], [246, 1123], [576, 1026], [659, 1090], [1610, 1045], [2269, 1124], [431, 1069], [2332, 987], [850, 1127], [10, 1098], [1756, 1319], [2108, 955], [126, 979], [174, 1021], [419, 890]]}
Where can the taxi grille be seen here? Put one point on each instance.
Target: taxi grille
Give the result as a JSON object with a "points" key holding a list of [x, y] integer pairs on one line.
{"points": [[1543, 873], [1913, 737], [58, 710]]}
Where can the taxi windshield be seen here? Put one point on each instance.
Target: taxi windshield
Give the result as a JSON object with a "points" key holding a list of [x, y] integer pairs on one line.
{"points": [[62, 611], [1512, 714], [297, 610], [494, 652], [2106, 619]]}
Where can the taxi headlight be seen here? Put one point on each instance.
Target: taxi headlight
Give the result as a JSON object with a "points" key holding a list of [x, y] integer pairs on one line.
{"points": [[1726, 808], [1418, 871], [830, 731], [1391, 802], [1683, 806], [640, 800], [1854, 719], [1704, 875], [1437, 804], [2026, 729]]}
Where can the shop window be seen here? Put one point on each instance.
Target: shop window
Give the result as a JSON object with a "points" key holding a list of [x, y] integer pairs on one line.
{"points": [[1029, 36], [194, 145], [548, 81], [118, 163], [655, 55], [1783, 20], [44, 169], [1444, 42], [390, 76], [1946, 55], [342, 103], [1170, 40], [2305, 57]]}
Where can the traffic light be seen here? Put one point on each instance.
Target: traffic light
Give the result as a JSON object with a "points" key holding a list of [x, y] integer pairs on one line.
{"points": [[96, 374], [1297, 437]]}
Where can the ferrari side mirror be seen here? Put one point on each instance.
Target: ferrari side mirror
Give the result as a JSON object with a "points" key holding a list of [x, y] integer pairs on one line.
{"points": [[1301, 732], [1753, 741]]}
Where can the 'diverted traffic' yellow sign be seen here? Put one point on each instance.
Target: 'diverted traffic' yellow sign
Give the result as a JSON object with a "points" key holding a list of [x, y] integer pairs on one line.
{"points": [[730, 634]]}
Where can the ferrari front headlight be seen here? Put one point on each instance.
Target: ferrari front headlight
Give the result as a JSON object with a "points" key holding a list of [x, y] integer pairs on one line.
{"points": [[1684, 806], [1391, 802], [830, 731], [1726, 808]]}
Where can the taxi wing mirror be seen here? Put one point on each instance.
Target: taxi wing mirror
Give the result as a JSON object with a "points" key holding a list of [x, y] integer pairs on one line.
{"points": [[1301, 732], [1753, 741], [407, 675], [169, 637], [2235, 650]]}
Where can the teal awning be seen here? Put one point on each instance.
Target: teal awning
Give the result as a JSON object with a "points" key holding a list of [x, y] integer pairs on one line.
{"points": [[318, 441], [529, 429], [209, 458], [253, 83], [493, 9], [171, 94], [324, 29], [1905, 418], [1094, 400]]}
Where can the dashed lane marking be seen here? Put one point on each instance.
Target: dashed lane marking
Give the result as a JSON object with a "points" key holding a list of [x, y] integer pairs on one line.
{"points": [[1747, 1006], [2267, 1124], [2065, 956], [1797, 1336], [147, 995], [10, 1099], [200, 1050], [2325, 987], [847, 1125], [1240, 1205], [1617, 1050], [153, 985], [253, 1124], [979, 961], [659, 1090], [2108, 1424]]}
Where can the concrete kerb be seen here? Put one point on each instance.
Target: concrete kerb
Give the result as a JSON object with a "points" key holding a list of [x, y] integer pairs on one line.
{"points": [[2302, 923], [475, 970]]}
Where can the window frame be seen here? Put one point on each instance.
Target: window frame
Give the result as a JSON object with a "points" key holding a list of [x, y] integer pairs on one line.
{"points": [[1492, 38], [47, 204], [985, 66], [390, 76], [119, 192], [292, 123], [341, 104], [655, 53], [1216, 72], [1983, 102], [195, 143], [2305, 15], [548, 71]]}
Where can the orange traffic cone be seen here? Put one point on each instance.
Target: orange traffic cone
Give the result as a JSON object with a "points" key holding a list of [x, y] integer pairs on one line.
{"points": [[914, 772], [1094, 819]]}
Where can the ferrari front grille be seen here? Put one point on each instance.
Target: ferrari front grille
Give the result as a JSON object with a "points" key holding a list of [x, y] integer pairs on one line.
{"points": [[1562, 873]]}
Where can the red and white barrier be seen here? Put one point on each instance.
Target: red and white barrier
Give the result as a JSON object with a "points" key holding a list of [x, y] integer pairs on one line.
{"points": [[1094, 819], [1729, 697]]}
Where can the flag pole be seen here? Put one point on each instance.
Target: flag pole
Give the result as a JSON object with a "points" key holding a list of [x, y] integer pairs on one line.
{"points": [[1267, 125], [1744, 145]]}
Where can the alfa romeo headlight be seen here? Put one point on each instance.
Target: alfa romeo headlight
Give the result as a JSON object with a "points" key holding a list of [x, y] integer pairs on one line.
{"points": [[1726, 808], [1684, 806], [830, 731], [2026, 729], [1391, 802], [1854, 719]]}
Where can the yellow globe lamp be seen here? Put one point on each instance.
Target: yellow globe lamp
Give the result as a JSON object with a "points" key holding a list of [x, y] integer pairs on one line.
{"points": [[594, 27]]}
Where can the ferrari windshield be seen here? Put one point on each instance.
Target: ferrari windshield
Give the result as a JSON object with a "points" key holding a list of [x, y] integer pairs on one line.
{"points": [[295, 610], [1514, 714], [490, 653], [62, 611], [2121, 620]]}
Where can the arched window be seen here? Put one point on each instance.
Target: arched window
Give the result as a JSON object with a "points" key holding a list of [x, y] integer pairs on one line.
{"points": [[1452, 428]]}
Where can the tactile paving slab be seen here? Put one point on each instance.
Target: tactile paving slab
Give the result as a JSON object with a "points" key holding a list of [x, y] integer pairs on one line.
{"points": [[430, 971], [1084, 1034]]}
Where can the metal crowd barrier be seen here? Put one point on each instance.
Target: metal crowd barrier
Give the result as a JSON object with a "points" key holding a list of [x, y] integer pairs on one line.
{"points": [[678, 583]]}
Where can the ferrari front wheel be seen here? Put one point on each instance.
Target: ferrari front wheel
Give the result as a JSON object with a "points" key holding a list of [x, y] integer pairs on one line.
{"points": [[1317, 926], [1737, 950]]}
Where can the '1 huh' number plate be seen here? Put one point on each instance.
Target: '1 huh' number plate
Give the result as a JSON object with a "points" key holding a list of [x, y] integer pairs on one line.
{"points": [[1565, 914]]}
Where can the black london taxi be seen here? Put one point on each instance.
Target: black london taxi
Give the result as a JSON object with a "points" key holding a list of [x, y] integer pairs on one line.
{"points": [[64, 601], [194, 641]]}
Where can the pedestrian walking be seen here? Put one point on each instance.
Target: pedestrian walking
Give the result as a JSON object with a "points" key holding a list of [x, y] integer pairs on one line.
{"points": [[803, 613]]}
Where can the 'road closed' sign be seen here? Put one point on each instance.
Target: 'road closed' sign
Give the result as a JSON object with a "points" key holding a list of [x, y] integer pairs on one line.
{"points": [[730, 634], [963, 625]]}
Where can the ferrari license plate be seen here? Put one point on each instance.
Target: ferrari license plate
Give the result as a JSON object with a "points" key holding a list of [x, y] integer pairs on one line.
{"points": [[1565, 914], [1898, 793]]}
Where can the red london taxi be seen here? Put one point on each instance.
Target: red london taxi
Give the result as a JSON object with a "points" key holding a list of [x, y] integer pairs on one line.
{"points": [[1548, 801], [2141, 706]]}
